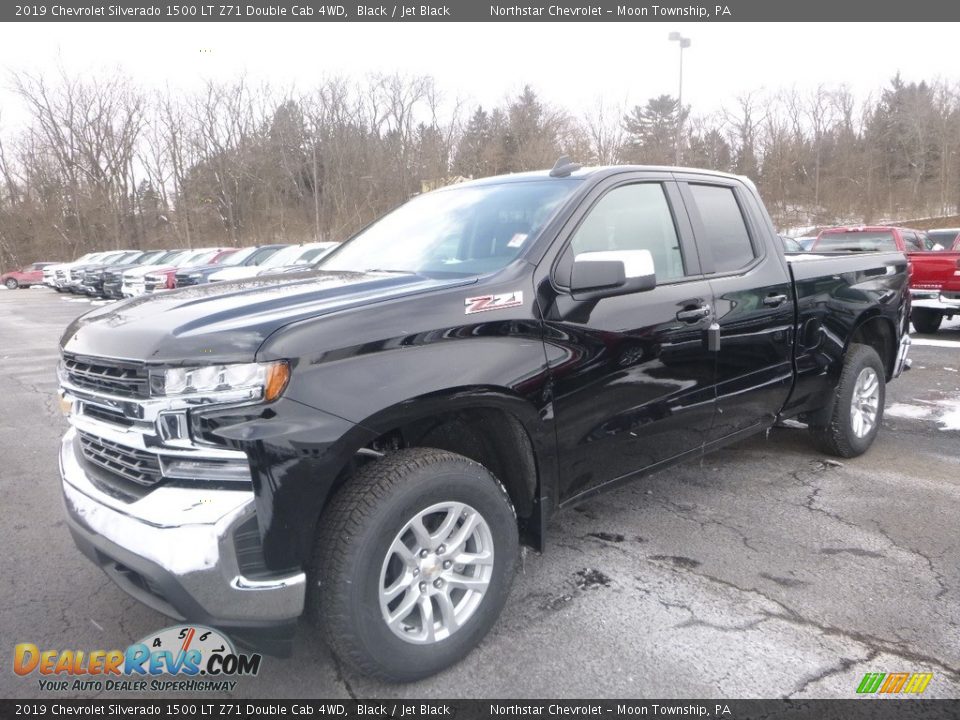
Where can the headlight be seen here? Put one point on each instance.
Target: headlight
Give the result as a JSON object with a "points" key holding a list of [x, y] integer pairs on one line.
{"points": [[269, 379]]}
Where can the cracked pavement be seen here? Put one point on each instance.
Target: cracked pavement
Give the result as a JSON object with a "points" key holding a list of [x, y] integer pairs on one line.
{"points": [[765, 570]]}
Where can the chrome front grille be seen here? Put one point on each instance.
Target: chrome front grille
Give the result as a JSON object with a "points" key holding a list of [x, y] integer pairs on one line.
{"points": [[136, 465], [105, 414], [186, 281], [107, 376], [131, 441]]}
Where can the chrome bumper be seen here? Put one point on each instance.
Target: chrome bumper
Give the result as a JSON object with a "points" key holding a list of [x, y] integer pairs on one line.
{"points": [[175, 549], [935, 300]]}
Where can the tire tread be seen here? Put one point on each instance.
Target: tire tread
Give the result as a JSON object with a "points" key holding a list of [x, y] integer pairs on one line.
{"points": [[831, 437], [341, 522]]}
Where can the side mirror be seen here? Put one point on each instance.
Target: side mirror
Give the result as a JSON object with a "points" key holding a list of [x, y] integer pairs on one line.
{"points": [[611, 272]]}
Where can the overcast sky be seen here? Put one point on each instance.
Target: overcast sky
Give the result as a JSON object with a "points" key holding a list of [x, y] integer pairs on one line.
{"points": [[568, 63]]}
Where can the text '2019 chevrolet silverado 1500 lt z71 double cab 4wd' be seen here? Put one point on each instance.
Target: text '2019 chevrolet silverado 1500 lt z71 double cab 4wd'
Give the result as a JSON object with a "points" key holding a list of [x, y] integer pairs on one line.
{"points": [[373, 441]]}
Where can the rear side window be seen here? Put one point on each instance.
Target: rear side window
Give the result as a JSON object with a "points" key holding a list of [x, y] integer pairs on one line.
{"points": [[857, 241], [944, 238], [725, 231]]}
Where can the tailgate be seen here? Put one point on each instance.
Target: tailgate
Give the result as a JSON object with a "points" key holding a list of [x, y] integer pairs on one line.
{"points": [[935, 271]]}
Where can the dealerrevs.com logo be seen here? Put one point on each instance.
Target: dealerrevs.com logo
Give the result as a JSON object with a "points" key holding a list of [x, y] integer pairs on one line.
{"points": [[203, 659]]}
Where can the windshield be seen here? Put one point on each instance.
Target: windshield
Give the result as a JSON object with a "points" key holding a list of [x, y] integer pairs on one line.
{"points": [[857, 241], [167, 257], [315, 253], [194, 257], [126, 257], [239, 257], [458, 231], [149, 257], [286, 256]]}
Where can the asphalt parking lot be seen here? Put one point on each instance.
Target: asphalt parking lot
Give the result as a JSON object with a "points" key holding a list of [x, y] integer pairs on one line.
{"points": [[764, 570]]}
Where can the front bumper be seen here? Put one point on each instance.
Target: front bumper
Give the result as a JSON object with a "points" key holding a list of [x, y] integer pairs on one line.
{"points": [[176, 549]]}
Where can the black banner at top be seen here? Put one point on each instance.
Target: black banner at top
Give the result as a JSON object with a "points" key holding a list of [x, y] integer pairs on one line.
{"points": [[480, 11]]}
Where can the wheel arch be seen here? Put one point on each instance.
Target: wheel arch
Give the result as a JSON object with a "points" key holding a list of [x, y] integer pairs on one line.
{"points": [[879, 332], [489, 425]]}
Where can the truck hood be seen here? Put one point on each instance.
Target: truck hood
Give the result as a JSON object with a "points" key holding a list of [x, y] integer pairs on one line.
{"points": [[228, 322]]}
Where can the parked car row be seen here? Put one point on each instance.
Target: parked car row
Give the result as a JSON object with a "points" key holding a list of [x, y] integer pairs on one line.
{"points": [[128, 273]]}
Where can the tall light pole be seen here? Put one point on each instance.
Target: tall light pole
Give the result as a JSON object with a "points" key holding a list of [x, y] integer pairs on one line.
{"points": [[684, 43]]}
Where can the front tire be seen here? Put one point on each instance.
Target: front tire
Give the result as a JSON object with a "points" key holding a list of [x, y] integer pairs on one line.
{"points": [[11, 284], [413, 563], [849, 426], [925, 320]]}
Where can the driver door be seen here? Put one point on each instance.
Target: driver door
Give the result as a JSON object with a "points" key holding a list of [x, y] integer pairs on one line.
{"points": [[633, 380]]}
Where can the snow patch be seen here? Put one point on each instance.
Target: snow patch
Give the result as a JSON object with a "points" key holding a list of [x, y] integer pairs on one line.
{"points": [[945, 411], [950, 420], [905, 410], [933, 342]]}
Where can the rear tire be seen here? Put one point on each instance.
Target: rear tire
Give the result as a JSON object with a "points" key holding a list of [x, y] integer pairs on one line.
{"points": [[11, 284], [413, 563], [925, 320], [849, 426]]}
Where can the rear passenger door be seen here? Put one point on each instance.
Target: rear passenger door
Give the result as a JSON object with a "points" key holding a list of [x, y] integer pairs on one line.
{"points": [[753, 304]]}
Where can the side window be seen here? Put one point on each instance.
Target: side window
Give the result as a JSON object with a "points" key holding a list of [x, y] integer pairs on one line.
{"points": [[726, 232], [911, 242], [633, 217]]}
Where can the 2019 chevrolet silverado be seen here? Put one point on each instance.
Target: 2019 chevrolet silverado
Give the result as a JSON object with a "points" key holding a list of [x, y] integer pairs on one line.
{"points": [[370, 443]]}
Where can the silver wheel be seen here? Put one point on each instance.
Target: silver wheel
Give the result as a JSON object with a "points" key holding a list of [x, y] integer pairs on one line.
{"points": [[436, 572], [865, 402]]}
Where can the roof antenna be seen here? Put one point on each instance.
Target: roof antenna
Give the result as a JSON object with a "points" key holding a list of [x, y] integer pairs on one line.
{"points": [[564, 167]]}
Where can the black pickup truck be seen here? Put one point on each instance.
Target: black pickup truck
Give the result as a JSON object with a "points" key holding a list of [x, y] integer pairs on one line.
{"points": [[371, 442]]}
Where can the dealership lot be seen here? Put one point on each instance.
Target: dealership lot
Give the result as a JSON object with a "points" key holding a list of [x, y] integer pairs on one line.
{"points": [[764, 570]]}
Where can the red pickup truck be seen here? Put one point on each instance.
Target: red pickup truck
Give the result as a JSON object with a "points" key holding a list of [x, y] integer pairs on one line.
{"points": [[934, 274], [24, 277]]}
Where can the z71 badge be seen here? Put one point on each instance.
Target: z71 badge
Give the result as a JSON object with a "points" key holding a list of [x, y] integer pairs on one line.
{"points": [[493, 302]]}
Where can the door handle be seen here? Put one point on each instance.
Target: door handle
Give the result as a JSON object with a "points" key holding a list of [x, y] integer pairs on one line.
{"points": [[694, 314], [774, 300]]}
